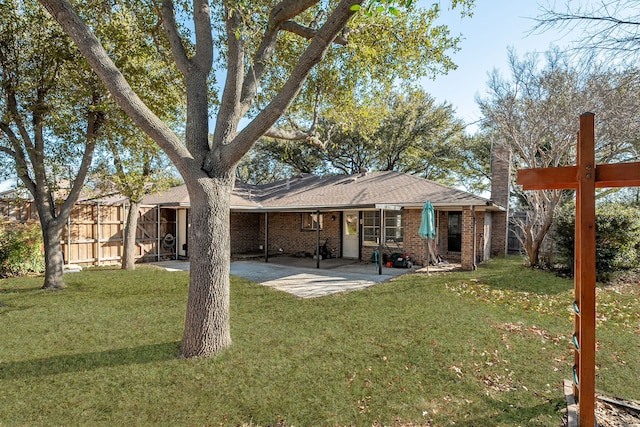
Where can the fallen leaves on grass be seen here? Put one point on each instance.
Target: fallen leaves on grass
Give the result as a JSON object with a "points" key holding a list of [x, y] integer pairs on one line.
{"points": [[559, 362], [557, 305], [531, 331], [494, 372], [616, 305], [442, 405], [363, 404], [491, 370]]}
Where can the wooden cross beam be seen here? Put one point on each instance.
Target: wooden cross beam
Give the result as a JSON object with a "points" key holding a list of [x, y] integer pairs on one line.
{"points": [[585, 177]]}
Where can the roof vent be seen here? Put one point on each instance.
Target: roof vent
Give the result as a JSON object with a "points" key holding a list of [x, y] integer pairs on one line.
{"points": [[288, 185]]}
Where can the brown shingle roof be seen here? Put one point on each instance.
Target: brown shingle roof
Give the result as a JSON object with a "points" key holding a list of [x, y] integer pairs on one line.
{"points": [[309, 192], [175, 196], [368, 190], [243, 196]]}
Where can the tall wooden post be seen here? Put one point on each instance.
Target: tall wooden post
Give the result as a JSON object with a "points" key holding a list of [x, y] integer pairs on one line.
{"points": [[584, 178], [585, 276]]}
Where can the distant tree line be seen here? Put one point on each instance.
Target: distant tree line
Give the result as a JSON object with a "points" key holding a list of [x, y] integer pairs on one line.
{"points": [[406, 131]]}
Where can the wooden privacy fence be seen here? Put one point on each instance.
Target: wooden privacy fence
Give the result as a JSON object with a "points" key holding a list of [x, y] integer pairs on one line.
{"points": [[93, 234]]}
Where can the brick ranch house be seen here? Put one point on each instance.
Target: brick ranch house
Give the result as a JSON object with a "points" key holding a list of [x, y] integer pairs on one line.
{"points": [[293, 216]]}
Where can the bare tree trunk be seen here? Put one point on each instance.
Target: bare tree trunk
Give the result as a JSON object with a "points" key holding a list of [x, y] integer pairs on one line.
{"points": [[207, 329], [535, 232], [532, 248], [54, 260], [130, 228]]}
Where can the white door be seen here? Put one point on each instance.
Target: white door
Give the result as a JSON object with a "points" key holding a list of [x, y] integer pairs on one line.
{"points": [[350, 235]]}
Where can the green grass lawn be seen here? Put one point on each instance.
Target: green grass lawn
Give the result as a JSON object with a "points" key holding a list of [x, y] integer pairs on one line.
{"points": [[483, 348]]}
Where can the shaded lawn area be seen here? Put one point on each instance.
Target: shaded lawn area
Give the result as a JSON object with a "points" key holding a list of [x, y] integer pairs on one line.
{"points": [[483, 348]]}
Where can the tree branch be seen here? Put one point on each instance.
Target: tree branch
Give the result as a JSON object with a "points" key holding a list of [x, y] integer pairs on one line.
{"points": [[240, 90], [117, 163], [8, 151], [22, 169], [308, 33], [296, 135], [288, 9], [602, 29], [229, 114], [171, 29], [94, 123], [37, 152], [282, 12], [310, 57], [204, 40], [121, 91], [12, 105]]}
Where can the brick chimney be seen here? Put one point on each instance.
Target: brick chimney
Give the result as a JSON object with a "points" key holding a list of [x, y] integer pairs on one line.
{"points": [[500, 180]]}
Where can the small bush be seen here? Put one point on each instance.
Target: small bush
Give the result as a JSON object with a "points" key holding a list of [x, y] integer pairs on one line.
{"points": [[21, 249], [617, 238]]}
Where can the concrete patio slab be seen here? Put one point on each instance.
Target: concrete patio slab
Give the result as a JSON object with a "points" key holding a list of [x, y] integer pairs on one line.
{"points": [[305, 282], [299, 277]]}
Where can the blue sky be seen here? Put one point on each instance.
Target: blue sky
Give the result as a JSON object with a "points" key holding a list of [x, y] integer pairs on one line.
{"points": [[487, 35]]}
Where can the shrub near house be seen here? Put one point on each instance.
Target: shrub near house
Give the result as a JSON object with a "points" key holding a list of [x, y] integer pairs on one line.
{"points": [[20, 249], [617, 238]]}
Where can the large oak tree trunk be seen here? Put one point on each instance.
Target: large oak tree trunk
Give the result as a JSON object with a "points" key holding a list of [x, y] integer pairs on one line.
{"points": [[130, 228], [208, 166], [207, 329], [53, 256]]}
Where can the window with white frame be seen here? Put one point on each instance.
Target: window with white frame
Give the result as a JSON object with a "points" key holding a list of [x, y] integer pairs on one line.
{"points": [[393, 226], [311, 221], [371, 227]]}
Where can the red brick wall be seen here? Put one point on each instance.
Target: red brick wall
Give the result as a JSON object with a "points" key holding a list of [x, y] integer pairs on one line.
{"points": [[499, 233], [414, 245], [367, 251], [286, 233], [467, 239], [245, 232], [417, 247]]}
